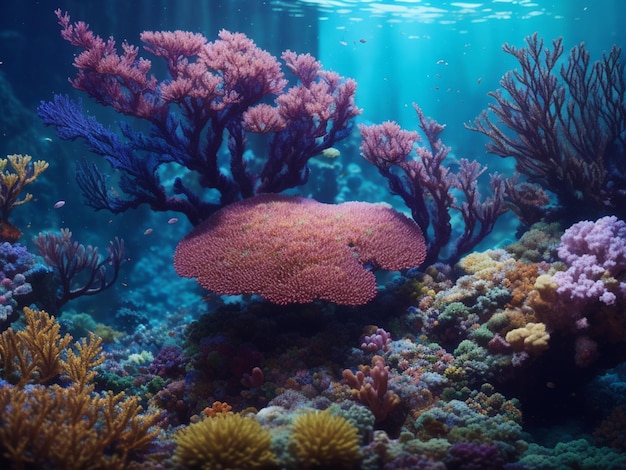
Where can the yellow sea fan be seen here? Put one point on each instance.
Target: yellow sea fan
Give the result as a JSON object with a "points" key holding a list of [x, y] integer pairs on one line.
{"points": [[322, 440], [224, 442]]}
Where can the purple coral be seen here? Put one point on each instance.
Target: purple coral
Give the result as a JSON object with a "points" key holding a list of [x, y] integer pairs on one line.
{"points": [[213, 97], [426, 184], [377, 341], [79, 269], [474, 456], [595, 253], [170, 363], [15, 262], [564, 126]]}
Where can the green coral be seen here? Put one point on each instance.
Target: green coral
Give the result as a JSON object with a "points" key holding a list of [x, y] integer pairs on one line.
{"points": [[580, 454], [454, 311]]}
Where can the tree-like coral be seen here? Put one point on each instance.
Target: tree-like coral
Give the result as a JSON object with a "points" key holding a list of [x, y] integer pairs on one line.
{"points": [[79, 268], [71, 427], [427, 185], [564, 127], [23, 172], [214, 97]]}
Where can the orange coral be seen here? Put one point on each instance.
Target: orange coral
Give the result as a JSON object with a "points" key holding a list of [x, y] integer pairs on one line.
{"points": [[370, 386], [33, 354], [216, 408], [520, 280], [12, 184], [63, 427]]}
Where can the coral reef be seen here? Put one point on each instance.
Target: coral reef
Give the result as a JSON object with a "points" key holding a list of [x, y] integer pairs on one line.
{"points": [[44, 423], [305, 354]]}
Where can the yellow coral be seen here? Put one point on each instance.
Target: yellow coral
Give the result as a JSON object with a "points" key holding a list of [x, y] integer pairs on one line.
{"points": [[12, 184], [63, 427], [546, 286], [532, 338], [322, 440], [225, 441], [33, 354], [483, 265]]}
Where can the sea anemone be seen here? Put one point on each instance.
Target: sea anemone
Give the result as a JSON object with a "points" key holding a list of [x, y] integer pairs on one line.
{"points": [[321, 440], [225, 441]]}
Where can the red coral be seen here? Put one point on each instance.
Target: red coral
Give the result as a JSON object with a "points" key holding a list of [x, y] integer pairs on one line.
{"points": [[296, 250], [369, 385]]}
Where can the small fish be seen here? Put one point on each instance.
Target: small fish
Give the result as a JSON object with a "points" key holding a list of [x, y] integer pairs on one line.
{"points": [[59, 204], [343, 43], [148, 231], [173, 220], [362, 41]]}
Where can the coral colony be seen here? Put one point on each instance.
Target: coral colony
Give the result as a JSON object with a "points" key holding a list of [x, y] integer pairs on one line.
{"points": [[319, 363]]}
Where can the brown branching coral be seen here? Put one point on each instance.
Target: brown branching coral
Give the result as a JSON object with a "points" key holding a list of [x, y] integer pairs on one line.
{"points": [[79, 268], [12, 184], [63, 427], [33, 355], [369, 386], [563, 122]]}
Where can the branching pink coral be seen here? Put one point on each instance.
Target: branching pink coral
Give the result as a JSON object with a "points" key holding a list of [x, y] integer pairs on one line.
{"points": [[206, 101], [296, 250], [427, 185]]}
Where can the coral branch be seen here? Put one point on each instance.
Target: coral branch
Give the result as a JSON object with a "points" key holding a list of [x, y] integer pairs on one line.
{"points": [[426, 185], [79, 268], [566, 128], [213, 96], [12, 183]]}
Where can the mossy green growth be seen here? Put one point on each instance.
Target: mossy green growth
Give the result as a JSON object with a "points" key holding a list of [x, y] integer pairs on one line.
{"points": [[454, 311], [482, 335]]}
